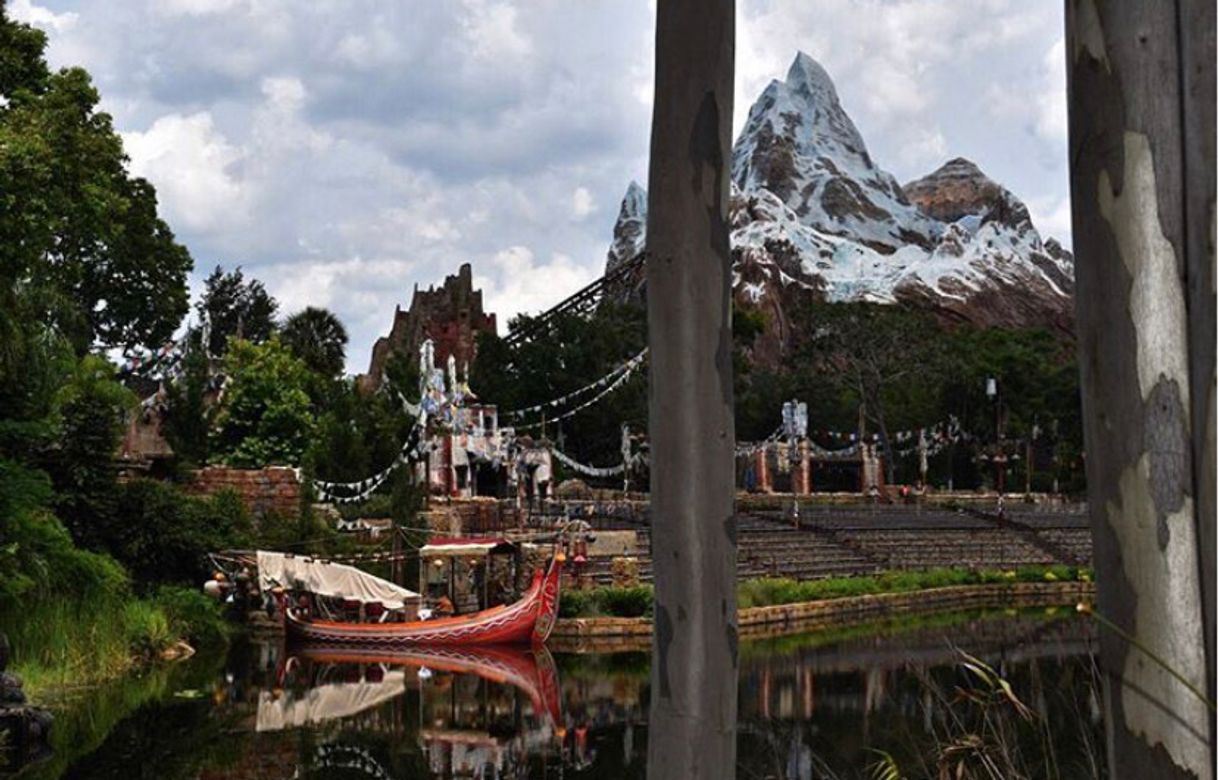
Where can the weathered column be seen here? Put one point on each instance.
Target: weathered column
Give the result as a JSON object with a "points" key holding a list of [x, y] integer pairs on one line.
{"points": [[1141, 93], [692, 729], [803, 469], [762, 460]]}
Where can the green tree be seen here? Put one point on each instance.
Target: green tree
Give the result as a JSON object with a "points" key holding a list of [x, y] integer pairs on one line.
{"points": [[165, 536], [71, 217], [266, 415], [36, 551], [89, 414], [317, 337], [575, 351], [187, 422], [235, 308], [888, 360]]}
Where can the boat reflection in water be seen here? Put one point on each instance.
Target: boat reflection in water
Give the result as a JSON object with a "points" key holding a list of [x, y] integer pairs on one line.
{"points": [[815, 705], [477, 711]]}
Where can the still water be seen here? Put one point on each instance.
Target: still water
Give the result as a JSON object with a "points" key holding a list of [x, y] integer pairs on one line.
{"points": [[923, 697]]}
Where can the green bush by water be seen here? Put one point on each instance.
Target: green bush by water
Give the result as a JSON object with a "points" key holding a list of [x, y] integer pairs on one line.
{"points": [[638, 601], [613, 602]]}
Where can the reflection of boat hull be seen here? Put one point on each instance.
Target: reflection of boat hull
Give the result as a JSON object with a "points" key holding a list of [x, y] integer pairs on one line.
{"points": [[527, 621], [530, 670]]}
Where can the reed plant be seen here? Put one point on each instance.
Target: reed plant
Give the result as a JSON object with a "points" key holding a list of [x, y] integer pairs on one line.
{"points": [[66, 641]]}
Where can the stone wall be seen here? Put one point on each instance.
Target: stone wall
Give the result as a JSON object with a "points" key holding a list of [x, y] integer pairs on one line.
{"points": [[465, 517], [273, 489]]}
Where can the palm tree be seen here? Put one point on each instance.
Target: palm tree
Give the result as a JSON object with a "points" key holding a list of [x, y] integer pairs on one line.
{"points": [[317, 337]]}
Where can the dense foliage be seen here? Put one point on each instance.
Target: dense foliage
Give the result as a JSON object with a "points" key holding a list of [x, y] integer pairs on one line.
{"points": [[879, 367], [73, 222], [266, 415], [317, 337], [576, 350], [235, 308]]}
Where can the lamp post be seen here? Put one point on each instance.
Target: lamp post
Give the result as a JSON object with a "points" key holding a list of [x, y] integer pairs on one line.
{"points": [[1000, 459]]}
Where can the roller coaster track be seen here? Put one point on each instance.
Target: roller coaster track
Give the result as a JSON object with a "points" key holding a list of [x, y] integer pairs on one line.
{"points": [[581, 302]]}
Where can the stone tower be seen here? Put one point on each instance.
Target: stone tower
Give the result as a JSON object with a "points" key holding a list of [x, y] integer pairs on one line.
{"points": [[451, 316]]}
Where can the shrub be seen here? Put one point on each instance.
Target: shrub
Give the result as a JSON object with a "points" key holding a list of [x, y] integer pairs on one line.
{"points": [[610, 602], [576, 603], [165, 535], [625, 602], [193, 616]]}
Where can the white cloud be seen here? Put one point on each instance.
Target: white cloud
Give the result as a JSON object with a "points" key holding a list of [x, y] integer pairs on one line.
{"points": [[25, 11], [1051, 120], [1051, 216], [343, 151], [195, 7], [925, 148], [519, 284], [492, 31], [581, 203], [191, 164]]}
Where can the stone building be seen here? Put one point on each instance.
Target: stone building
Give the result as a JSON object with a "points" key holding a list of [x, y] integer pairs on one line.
{"points": [[451, 316]]}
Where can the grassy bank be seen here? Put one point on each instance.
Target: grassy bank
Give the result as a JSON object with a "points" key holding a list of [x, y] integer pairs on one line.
{"points": [[61, 642], [638, 601]]}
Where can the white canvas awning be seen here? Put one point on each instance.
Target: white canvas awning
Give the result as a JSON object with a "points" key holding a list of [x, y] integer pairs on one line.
{"points": [[326, 702], [329, 579], [458, 546]]}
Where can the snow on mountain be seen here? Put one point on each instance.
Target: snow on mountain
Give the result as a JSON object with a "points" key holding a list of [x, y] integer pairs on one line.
{"points": [[812, 213], [800, 145], [630, 228]]}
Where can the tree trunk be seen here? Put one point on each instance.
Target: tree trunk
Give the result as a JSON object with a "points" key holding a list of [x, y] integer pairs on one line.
{"points": [[694, 659], [1141, 94]]}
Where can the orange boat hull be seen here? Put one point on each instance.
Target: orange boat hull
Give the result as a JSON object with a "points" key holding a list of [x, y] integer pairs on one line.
{"points": [[527, 621]]}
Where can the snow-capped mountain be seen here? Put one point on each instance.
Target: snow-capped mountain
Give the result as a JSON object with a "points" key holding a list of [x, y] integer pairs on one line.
{"points": [[811, 213]]}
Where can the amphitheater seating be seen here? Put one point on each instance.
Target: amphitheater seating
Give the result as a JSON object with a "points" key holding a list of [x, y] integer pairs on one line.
{"points": [[847, 541]]}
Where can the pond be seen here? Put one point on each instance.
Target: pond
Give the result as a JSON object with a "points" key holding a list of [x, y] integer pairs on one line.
{"points": [[916, 695]]}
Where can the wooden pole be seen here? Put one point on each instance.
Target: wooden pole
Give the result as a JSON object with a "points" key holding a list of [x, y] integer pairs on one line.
{"points": [[694, 659], [1141, 110]]}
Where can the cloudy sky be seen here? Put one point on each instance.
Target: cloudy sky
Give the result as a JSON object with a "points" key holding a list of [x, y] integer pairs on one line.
{"points": [[344, 150]]}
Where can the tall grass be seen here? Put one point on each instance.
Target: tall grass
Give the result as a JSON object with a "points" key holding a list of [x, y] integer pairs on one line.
{"points": [[60, 642]]}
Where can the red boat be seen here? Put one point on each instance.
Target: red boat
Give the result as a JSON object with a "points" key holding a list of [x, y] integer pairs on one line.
{"points": [[526, 621]]}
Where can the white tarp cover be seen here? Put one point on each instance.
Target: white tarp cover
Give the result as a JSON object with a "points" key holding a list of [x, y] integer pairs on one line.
{"points": [[326, 702], [329, 579], [452, 547]]}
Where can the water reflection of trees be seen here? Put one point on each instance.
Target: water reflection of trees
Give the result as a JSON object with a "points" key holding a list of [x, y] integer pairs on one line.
{"points": [[810, 706], [1027, 707]]}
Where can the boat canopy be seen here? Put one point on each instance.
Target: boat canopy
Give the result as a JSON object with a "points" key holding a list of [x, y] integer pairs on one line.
{"points": [[336, 580], [451, 546]]}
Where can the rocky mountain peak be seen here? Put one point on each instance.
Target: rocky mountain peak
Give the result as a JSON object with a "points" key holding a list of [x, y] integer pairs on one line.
{"points": [[630, 228], [634, 204], [800, 145], [813, 217], [955, 190], [807, 73]]}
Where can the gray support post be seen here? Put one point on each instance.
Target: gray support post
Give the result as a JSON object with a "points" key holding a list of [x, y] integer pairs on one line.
{"points": [[694, 660], [1141, 97]]}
